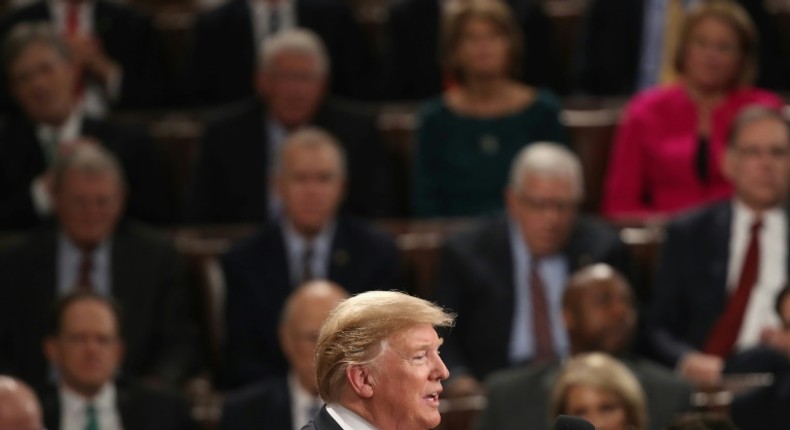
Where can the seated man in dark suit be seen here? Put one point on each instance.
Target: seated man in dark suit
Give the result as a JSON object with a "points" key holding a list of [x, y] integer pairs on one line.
{"points": [[41, 73], [506, 277], [600, 316], [90, 249], [117, 56], [309, 241], [19, 407], [288, 402], [722, 265], [232, 180], [85, 348]]}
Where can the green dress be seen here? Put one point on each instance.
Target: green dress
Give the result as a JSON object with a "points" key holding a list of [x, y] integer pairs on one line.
{"points": [[462, 163]]}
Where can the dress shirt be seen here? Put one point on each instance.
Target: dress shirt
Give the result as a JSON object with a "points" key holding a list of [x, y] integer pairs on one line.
{"points": [[276, 134], [69, 258], [261, 9], [73, 409], [771, 275], [653, 25], [50, 138], [553, 270], [346, 419], [302, 402], [296, 244]]}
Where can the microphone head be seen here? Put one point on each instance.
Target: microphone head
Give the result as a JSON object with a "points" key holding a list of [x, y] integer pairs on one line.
{"points": [[567, 422]]}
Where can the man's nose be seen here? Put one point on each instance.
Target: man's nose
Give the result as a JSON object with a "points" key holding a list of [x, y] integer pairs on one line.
{"points": [[440, 370]]}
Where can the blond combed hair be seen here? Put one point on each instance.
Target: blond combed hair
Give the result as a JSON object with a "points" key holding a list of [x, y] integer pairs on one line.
{"points": [[357, 328]]}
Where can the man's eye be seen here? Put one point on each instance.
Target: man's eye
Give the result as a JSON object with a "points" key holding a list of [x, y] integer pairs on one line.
{"points": [[418, 357]]}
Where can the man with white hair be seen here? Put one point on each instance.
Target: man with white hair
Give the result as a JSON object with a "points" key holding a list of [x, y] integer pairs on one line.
{"points": [[506, 277], [232, 178], [378, 364], [19, 407]]}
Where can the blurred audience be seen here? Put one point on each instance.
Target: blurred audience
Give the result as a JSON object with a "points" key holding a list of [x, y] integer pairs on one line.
{"points": [[91, 249], [309, 241], [41, 72], [600, 316], [722, 266], [505, 278], [467, 137], [413, 66], [603, 391], [701, 421], [85, 349], [669, 147], [288, 402], [232, 180], [117, 59], [627, 45], [227, 39], [19, 407]]}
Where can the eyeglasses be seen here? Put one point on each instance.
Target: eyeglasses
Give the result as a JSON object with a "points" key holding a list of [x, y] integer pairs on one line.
{"points": [[754, 152], [543, 204]]}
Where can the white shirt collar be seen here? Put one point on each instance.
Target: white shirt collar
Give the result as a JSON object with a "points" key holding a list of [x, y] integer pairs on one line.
{"points": [[74, 403], [58, 11], [301, 401], [68, 132], [743, 216], [346, 419]]}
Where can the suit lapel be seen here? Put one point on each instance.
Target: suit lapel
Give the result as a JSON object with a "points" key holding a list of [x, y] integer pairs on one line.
{"points": [[50, 404], [324, 421], [718, 236], [340, 257], [131, 416]]}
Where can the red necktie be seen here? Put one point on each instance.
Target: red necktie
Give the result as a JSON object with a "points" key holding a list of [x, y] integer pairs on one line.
{"points": [[72, 18], [544, 346], [725, 333], [84, 277]]}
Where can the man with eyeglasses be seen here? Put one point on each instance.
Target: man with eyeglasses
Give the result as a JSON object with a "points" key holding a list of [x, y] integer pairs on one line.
{"points": [[19, 408], [723, 264], [505, 279]]}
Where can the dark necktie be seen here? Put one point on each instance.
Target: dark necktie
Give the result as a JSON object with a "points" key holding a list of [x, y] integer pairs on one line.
{"points": [[725, 332], [701, 161], [91, 418], [544, 346], [307, 264], [84, 276]]}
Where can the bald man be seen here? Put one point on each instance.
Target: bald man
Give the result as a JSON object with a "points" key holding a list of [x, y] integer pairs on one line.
{"points": [[19, 408], [599, 315], [288, 403]]}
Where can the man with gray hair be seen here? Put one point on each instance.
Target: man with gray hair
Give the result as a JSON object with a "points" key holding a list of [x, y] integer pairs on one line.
{"points": [[19, 407], [378, 364], [232, 180], [505, 278], [91, 249]]}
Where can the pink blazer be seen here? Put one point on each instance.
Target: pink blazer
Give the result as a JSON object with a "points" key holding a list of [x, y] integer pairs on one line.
{"points": [[651, 169]]}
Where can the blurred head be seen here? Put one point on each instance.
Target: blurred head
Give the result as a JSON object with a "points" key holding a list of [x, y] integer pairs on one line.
{"points": [[310, 178], [783, 306], [19, 407], [303, 314], [84, 344], [717, 48], [543, 195], [598, 310], [88, 194], [480, 38], [601, 390], [757, 161], [378, 355], [292, 76], [41, 75]]}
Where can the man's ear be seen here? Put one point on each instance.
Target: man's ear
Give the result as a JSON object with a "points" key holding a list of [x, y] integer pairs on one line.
{"points": [[51, 349], [361, 380]]}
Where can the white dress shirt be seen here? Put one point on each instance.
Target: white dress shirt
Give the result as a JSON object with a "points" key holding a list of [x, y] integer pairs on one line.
{"points": [[68, 262], [771, 275], [261, 11], [346, 419], [50, 138], [302, 402], [73, 411]]}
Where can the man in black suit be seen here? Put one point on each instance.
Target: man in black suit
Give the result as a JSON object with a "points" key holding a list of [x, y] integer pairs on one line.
{"points": [[85, 348], [505, 278], [288, 402], [600, 316], [611, 48], [232, 179], [42, 78], [90, 249], [414, 70], [309, 241], [722, 265], [116, 51], [221, 75], [19, 407]]}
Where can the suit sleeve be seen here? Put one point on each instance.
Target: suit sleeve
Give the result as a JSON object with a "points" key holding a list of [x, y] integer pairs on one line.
{"points": [[17, 209], [369, 182], [449, 294]]}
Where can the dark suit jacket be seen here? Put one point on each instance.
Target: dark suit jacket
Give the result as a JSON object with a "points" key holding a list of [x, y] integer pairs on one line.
{"points": [[220, 74], [265, 405], [322, 421], [128, 38], [156, 325], [475, 280], [258, 283], [413, 64], [139, 407], [519, 397], [609, 51], [22, 160], [690, 292], [231, 179]]}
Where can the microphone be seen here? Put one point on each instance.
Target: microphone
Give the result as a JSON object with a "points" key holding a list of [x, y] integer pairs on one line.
{"points": [[567, 422]]}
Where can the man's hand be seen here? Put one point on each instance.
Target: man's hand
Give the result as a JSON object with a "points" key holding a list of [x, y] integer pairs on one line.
{"points": [[701, 369]]}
